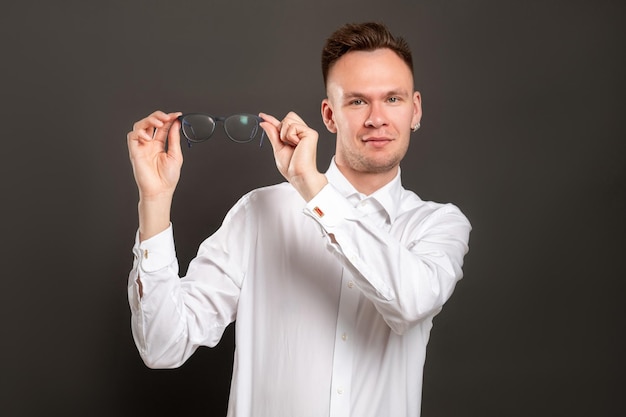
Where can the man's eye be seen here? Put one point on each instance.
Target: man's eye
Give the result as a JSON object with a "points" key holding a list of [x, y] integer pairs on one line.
{"points": [[357, 101], [393, 99]]}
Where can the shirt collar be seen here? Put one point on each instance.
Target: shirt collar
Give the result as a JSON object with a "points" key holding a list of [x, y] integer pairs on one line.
{"points": [[387, 196]]}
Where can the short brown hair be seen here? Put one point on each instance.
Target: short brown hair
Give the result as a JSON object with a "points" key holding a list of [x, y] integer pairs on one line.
{"points": [[367, 36]]}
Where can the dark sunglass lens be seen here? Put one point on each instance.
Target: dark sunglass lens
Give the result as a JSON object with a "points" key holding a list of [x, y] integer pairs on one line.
{"points": [[197, 127], [241, 127]]}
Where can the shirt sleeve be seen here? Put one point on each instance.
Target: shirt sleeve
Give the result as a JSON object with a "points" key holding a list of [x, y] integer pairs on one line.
{"points": [[408, 274], [172, 316]]}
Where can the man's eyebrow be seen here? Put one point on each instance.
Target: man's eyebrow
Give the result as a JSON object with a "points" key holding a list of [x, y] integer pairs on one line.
{"points": [[352, 94], [399, 92], [395, 92]]}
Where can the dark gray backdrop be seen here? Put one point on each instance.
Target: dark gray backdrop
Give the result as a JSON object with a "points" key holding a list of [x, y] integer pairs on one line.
{"points": [[522, 128]]}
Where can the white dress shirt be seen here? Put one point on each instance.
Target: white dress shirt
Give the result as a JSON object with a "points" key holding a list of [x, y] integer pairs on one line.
{"points": [[333, 300]]}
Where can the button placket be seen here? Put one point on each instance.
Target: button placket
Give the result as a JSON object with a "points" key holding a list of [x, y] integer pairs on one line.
{"points": [[344, 351]]}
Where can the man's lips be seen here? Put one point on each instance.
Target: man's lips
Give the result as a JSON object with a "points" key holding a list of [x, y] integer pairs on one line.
{"points": [[377, 141]]}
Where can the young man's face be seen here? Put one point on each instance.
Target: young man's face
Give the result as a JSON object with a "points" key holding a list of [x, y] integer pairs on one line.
{"points": [[371, 106]]}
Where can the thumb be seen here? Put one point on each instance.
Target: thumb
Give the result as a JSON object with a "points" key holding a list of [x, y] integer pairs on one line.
{"points": [[173, 143], [273, 135], [271, 127]]}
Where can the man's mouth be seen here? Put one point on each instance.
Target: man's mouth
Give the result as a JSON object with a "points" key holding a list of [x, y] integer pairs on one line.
{"points": [[377, 141]]}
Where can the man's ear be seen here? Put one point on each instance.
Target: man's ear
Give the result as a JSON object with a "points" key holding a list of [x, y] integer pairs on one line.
{"points": [[417, 108], [328, 116]]}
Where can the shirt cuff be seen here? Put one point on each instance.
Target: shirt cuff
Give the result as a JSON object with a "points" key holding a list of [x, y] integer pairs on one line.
{"points": [[155, 253], [329, 207]]}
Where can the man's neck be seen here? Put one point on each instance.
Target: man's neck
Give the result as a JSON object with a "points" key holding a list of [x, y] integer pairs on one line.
{"points": [[368, 182]]}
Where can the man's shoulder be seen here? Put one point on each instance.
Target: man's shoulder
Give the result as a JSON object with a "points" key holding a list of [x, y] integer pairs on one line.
{"points": [[271, 191], [282, 194], [414, 206]]}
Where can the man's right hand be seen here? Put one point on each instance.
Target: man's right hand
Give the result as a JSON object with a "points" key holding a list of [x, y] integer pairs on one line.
{"points": [[156, 157]]}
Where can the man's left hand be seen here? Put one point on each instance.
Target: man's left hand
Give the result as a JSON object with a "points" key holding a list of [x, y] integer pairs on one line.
{"points": [[295, 151]]}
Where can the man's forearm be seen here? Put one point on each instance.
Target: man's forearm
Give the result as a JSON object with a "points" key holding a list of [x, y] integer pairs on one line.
{"points": [[154, 216]]}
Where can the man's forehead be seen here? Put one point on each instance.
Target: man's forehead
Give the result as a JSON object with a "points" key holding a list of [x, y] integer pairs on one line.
{"points": [[381, 56], [359, 70]]}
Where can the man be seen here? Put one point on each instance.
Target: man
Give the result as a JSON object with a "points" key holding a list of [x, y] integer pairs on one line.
{"points": [[333, 279]]}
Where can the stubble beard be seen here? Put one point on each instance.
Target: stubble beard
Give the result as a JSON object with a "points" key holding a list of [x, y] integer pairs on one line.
{"points": [[373, 164]]}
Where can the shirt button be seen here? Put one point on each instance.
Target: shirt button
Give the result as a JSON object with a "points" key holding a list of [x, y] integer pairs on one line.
{"points": [[351, 284], [339, 391], [344, 337]]}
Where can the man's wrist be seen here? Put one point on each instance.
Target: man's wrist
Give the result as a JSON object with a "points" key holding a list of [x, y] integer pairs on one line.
{"points": [[154, 216], [309, 186]]}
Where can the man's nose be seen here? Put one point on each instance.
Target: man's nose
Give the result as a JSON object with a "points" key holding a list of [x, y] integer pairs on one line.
{"points": [[376, 117]]}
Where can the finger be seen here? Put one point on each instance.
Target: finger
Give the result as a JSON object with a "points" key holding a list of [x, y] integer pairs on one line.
{"points": [[293, 133], [161, 133], [291, 127], [154, 120], [271, 130], [294, 117], [146, 127], [270, 125], [136, 136], [270, 119], [173, 145], [285, 126], [143, 130]]}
